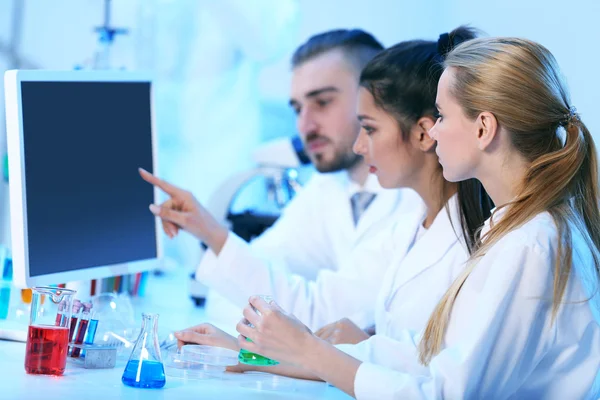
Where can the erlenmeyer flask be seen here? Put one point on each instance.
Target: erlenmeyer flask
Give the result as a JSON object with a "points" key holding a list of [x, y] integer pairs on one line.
{"points": [[246, 357], [145, 368]]}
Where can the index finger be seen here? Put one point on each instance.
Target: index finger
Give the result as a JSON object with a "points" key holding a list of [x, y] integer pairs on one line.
{"points": [[187, 336], [163, 185], [203, 328]]}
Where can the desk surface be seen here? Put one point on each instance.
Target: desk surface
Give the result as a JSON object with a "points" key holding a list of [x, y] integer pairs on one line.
{"points": [[167, 295]]}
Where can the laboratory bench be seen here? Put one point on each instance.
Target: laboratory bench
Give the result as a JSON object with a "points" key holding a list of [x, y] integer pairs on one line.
{"points": [[168, 296]]}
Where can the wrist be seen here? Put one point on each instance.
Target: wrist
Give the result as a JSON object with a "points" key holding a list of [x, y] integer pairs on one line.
{"points": [[312, 351], [215, 237], [332, 365]]}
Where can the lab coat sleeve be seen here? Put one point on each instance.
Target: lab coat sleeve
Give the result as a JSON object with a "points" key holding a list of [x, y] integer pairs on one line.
{"points": [[240, 273], [398, 353], [498, 332], [298, 241]]}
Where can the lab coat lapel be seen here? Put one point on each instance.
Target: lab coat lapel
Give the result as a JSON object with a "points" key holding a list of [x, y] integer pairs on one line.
{"points": [[432, 246], [341, 208], [403, 235]]}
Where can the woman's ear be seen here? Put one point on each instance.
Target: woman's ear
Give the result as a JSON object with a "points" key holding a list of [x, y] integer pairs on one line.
{"points": [[487, 129], [421, 132]]}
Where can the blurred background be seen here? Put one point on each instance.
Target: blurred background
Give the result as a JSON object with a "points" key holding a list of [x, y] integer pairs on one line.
{"points": [[222, 71]]}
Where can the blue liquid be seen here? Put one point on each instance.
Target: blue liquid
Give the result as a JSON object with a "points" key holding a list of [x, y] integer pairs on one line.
{"points": [[151, 375], [91, 331], [4, 301], [5, 281]]}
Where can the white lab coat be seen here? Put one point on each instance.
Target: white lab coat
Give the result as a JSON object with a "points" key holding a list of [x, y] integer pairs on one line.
{"points": [[429, 265], [500, 342], [315, 234]]}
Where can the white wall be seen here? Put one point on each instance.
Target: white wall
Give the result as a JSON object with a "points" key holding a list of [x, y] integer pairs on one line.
{"points": [[390, 21], [569, 29]]}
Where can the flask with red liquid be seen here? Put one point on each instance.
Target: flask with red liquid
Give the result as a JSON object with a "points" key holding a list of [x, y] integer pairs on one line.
{"points": [[48, 335]]}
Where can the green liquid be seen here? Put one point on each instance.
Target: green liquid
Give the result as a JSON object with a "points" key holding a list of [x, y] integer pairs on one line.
{"points": [[245, 357]]}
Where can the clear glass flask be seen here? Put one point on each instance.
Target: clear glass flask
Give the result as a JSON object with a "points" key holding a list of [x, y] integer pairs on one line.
{"points": [[145, 367], [249, 358]]}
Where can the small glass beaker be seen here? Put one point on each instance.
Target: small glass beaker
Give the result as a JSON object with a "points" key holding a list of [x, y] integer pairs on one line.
{"points": [[48, 335], [246, 357], [145, 368]]}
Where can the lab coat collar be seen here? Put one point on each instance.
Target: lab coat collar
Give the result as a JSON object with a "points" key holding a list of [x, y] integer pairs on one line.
{"points": [[371, 185], [376, 215], [496, 215], [444, 233]]}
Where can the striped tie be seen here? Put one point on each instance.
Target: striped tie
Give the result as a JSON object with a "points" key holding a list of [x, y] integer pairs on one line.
{"points": [[360, 201]]}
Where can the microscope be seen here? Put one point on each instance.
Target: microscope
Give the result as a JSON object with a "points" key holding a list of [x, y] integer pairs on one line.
{"points": [[278, 163]]}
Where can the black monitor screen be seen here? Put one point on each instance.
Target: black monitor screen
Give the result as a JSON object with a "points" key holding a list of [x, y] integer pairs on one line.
{"points": [[86, 203]]}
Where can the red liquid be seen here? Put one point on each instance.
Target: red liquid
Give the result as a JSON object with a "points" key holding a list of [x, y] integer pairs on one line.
{"points": [[46, 351], [59, 317], [83, 323], [72, 328]]}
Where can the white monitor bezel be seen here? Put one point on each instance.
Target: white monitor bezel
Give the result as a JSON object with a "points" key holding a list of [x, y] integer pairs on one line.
{"points": [[16, 167]]}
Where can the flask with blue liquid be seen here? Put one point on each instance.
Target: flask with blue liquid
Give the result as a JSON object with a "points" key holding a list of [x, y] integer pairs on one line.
{"points": [[145, 367]]}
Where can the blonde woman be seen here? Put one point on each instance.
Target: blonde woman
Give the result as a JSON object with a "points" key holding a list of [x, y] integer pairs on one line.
{"points": [[521, 321]]}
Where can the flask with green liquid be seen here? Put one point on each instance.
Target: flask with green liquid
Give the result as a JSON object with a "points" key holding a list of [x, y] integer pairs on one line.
{"points": [[246, 357]]}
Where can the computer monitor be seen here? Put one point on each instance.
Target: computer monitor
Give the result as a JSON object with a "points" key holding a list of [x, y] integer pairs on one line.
{"points": [[79, 209]]}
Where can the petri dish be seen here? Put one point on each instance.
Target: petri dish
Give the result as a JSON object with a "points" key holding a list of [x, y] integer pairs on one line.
{"points": [[210, 355], [199, 362]]}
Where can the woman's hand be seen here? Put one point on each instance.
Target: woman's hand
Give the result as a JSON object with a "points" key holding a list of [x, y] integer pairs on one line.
{"points": [[280, 336], [206, 334], [183, 211], [274, 334], [342, 332]]}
